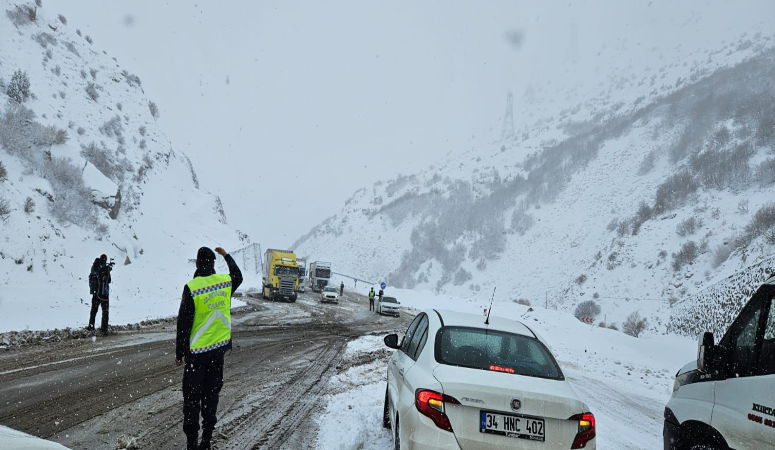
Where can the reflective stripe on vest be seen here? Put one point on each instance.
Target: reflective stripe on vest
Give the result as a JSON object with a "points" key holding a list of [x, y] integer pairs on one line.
{"points": [[212, 312]]}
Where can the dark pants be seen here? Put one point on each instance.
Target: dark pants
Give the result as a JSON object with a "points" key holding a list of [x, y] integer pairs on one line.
{"points": [[95, 304], [371, 304], [202, 383]]}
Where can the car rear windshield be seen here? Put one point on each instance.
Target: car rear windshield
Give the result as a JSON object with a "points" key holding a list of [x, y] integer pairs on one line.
{"points": [[389, 300], [497, 351]]}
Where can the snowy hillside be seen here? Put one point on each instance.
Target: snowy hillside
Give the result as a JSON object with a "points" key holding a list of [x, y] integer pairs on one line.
{"points": [[634, 207], [88, 171]]}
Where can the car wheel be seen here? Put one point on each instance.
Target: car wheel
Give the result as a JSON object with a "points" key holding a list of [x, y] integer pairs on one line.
{"points": [[386, 412]]}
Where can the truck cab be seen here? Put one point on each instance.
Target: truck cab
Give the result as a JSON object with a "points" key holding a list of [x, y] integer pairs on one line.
{"points": [[726, 398], [319, 275], [280, 275]]}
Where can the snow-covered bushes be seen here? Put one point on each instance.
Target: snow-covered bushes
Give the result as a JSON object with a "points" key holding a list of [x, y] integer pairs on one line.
{"points": [[153, 109], [22, 15], [19, 88], [132, 80], [521, 221], [18, 130], [91, 91], [113, 127], [461, 277], [72, 199], [635, 324], [686, 255], [689, 226], [62, 19], [45, 39], [3, 172], [721, 255], [29, 205], [762, 221], [5, 209], [109, 164], [51, 135], [587, 308]]}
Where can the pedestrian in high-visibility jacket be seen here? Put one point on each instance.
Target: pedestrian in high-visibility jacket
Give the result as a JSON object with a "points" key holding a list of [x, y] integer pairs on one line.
{"points": [[204, 336], [371, 300]]}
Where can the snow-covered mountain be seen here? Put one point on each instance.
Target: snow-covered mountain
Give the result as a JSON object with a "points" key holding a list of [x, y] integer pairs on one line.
{"points": [[635, 205], [88, 172]]}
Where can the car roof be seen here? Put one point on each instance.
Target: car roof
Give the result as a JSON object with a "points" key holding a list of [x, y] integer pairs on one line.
{"points": [[454, 318]]}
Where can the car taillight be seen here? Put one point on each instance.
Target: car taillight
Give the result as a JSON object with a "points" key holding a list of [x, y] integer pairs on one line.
{"points": [[431, 403], [501, 369], [586, 431]]}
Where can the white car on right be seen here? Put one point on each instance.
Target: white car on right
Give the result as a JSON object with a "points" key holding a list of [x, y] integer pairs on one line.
{"points": [[725, 399], [460, 381]]}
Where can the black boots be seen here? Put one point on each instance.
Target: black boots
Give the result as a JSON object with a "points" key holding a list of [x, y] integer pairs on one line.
{"points": [[191, 441], [207, 436]]}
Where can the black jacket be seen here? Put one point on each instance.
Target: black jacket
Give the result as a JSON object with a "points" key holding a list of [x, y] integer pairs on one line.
{"points": [[186, 313], [103, 278]]}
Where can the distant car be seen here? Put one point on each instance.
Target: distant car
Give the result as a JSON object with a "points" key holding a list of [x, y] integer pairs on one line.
{"points": [[329, 295], [388, 306], [458, 383], [726, 397]]}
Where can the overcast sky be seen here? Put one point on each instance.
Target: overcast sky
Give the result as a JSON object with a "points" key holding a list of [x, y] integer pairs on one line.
{"points": [[287, 107]]}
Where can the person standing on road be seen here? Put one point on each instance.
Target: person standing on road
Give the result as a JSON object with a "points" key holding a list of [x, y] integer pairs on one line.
{"points": [[203, 337], [371, 299], [381, 293], [341, 289], [99, 286]]}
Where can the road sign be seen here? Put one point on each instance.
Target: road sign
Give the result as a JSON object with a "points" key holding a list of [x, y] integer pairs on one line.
{"points": [[382, 285], [589, 320]]}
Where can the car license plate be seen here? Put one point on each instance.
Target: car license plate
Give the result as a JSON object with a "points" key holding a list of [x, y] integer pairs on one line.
{"points": [[514, 426]]}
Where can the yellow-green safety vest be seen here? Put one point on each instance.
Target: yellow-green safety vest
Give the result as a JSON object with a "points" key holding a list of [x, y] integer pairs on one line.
{"points": [[212, 312]]}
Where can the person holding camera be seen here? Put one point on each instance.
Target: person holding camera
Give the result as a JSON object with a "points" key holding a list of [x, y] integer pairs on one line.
{"points": [[99, 287]]}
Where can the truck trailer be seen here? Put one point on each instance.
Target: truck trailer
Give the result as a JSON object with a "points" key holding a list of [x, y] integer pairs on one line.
{"points": [[302, 262], [280, 275], [319, 275]]}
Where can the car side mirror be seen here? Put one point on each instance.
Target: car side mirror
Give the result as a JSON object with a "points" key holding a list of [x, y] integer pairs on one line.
{"points": [[391, 341], [705, 350]]}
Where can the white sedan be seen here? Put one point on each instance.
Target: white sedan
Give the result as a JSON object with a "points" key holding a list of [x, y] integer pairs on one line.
{"points": [[456, 382], [329, 295], [388, 305]]}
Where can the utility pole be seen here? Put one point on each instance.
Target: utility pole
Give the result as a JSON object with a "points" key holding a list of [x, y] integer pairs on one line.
{"points": [[547, 300]]}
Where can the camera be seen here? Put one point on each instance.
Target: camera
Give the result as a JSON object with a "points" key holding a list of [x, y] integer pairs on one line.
{"points": [[110, 265]]}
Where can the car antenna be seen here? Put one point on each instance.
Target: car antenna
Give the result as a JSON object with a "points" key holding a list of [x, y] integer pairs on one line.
{"points": [[487, 321]]}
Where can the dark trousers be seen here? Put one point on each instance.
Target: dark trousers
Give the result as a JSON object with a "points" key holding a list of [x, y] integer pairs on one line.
{"points": [[202, 383], [96, 302], [371, 304]]}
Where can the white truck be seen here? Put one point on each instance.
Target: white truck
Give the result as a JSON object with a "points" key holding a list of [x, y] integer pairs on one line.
{"points": [[725, 399], [302, 262], [319, 275]]}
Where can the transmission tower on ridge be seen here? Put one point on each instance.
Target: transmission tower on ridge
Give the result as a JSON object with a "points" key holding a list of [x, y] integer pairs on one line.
{"points": [[508, 119]]}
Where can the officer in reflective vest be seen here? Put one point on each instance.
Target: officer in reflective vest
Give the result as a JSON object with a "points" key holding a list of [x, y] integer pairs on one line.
{"points": [[204, 336]]}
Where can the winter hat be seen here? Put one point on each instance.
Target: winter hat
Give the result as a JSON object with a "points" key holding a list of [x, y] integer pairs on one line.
{"points": [[205, 257], [104, 257]]}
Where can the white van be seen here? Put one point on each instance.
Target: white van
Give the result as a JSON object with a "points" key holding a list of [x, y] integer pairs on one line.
{"points": [[726, 398]]}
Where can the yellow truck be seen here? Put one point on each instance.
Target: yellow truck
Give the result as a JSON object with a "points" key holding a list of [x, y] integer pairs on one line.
{"points": [[280, 275]]}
